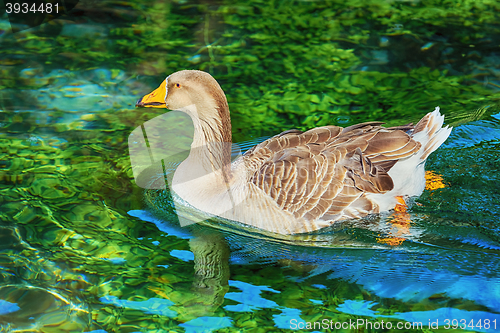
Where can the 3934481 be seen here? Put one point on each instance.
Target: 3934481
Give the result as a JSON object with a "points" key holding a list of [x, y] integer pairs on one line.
{"points": [[31, 7]]}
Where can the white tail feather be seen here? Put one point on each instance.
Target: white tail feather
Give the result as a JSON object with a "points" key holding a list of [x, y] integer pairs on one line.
{"points": [[430, 132], [408, 174]]}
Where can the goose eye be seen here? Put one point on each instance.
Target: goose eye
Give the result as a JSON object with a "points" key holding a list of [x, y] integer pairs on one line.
{"points": [[178, 85]]}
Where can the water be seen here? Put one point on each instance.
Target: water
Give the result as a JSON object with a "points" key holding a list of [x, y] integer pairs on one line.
{"points": [[82, 251]]}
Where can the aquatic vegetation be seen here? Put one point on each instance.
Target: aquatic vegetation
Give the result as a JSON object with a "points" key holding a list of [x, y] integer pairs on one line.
{"points": [[290, 66], [67, 90]]}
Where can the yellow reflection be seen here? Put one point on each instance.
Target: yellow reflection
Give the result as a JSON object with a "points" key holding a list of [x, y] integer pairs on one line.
{"points": [[401, 219], [433, 181]]}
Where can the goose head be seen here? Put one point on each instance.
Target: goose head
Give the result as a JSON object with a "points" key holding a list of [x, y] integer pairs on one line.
{"points": [[199, 95], [196, 93]]}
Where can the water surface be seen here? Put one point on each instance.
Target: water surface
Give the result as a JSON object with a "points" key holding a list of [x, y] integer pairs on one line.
{"points": [[81, 250]]}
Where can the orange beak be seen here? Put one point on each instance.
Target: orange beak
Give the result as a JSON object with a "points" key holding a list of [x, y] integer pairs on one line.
{"points": [[156, 99]]}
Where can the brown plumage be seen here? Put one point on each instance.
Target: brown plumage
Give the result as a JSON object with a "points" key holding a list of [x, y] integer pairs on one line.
{"points": [[324, 170]]}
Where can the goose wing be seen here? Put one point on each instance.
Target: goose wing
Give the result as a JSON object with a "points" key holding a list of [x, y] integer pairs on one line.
{"points": [[321, 174]]}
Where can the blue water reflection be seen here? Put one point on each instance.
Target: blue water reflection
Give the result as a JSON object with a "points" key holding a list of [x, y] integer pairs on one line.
{"points": [[7, 307], [479, 321]]}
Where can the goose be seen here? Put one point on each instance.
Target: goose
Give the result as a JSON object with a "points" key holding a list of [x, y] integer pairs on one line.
{"points": [[295, 182]]}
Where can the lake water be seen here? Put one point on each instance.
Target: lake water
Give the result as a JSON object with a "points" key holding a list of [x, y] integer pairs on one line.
{"points": [[84, 249]]}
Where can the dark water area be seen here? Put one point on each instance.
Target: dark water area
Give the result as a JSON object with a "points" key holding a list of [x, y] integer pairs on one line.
{"points": [[84, 249]]}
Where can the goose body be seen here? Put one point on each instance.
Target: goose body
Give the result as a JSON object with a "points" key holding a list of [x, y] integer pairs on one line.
{"points": [[294, 182]]}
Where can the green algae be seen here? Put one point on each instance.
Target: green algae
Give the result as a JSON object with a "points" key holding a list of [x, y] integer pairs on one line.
{"points": [[281, 66], [267, 54]]}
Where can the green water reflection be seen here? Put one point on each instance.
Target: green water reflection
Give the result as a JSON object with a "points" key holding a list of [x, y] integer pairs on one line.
{"points": [[81, 249]]}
